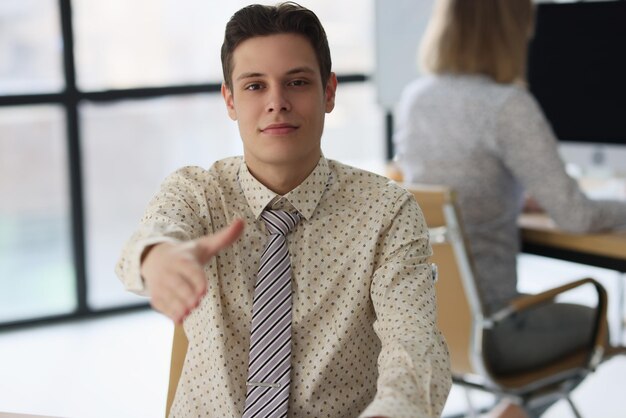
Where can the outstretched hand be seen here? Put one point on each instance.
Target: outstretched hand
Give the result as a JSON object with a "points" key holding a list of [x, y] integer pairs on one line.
{"points": [[174, 273]]}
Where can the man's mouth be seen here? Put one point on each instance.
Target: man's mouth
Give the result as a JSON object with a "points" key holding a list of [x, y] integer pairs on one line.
{"points": [[279, 129]]}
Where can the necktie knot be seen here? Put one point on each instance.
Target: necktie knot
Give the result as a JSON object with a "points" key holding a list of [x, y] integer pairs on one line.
{"points": [[279, 221]]}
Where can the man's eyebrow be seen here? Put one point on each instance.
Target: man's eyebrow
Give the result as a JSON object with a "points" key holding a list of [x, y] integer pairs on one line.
{"points": [[249, 75], [296, 70]]}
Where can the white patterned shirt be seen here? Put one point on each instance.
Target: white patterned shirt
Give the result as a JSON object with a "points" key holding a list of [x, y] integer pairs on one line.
{"points": [[364, 339]]}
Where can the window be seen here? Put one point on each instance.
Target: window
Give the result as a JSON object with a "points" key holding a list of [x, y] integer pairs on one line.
{"points": [[30, 47], [36, 268]]}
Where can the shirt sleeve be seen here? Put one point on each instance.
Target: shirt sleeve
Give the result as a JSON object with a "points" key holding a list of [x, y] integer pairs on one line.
{"points": [[529, 149], [414, 371], [174, 214]]}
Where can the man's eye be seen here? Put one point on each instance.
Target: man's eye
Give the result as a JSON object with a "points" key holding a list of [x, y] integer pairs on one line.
{"points": [[297, 83], [253, 86]]}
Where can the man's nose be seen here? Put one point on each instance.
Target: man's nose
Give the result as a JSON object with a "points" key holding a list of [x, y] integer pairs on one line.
{"points": [[278, 100]]}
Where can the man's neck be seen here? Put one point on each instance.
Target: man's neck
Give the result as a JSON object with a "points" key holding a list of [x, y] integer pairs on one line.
{"points": [[282, 179]]}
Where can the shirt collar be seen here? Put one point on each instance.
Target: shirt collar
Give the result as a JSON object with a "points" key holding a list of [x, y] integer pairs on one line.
{"points": [[304, 198]]}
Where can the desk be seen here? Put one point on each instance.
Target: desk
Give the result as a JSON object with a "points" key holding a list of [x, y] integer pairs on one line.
{"points": [[540, 236], [608, 250]]}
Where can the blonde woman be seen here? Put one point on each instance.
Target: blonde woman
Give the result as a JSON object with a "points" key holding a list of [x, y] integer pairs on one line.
{"points": [[471, 124]]}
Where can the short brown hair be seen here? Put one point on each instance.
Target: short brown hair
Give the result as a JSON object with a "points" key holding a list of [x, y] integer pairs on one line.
{"points": [[487, 37], [259, 20]]}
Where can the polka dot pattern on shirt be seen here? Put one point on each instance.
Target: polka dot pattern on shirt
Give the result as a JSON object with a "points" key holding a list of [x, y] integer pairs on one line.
{"points": [[361, 283]]}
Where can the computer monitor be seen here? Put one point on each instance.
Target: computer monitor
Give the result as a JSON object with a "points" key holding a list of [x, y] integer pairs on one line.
{"points": [[577, 69]]}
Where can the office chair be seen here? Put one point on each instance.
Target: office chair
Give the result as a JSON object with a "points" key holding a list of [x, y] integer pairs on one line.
{"points": [[464, 322], [179, 352]]}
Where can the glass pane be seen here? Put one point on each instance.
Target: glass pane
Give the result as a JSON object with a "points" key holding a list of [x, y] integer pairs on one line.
{"points": [[36, 270], [349, 26], [354, 132], [30, 47], [128, 149], [157, 42]]}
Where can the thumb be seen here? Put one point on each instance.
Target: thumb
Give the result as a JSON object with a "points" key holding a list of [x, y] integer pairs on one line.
{"points": [[209, 245]]}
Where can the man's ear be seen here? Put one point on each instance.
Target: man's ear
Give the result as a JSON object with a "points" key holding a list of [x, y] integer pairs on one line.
{"points": [[329, 92], [227, 94]]}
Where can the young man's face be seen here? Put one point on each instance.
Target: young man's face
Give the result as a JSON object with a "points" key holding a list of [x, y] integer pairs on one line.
{"points": [[279, 102]]}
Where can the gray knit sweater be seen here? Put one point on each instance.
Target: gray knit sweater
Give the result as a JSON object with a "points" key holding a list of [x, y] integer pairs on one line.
{"points": [[490, 142]]}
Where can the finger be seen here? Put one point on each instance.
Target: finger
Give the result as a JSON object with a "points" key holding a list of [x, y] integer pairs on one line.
{"points": [[193, 274], [180, 312], [184, 291], [210, 245], [170, 306]]}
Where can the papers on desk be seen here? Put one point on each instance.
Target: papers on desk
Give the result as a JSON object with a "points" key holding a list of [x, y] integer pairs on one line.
{"points": [[604, 188]]}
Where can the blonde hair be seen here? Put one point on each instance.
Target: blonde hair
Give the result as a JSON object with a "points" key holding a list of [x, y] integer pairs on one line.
{"points": [[487, 37]]}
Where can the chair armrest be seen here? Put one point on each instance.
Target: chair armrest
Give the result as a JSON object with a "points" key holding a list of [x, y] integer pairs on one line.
{"points": [[529, 301], [525, 302]]}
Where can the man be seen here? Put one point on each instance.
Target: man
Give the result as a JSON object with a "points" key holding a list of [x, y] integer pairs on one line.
{"points": [[353, 254]]}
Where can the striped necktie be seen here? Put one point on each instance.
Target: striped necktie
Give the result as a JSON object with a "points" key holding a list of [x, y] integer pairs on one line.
{"points": [[269, 363]]}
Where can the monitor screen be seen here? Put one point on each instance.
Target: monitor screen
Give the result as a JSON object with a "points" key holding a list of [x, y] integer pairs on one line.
{"points": [[577, 69]]}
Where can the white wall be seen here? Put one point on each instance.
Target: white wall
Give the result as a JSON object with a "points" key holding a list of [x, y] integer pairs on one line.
{"points": [[399, 27]]}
